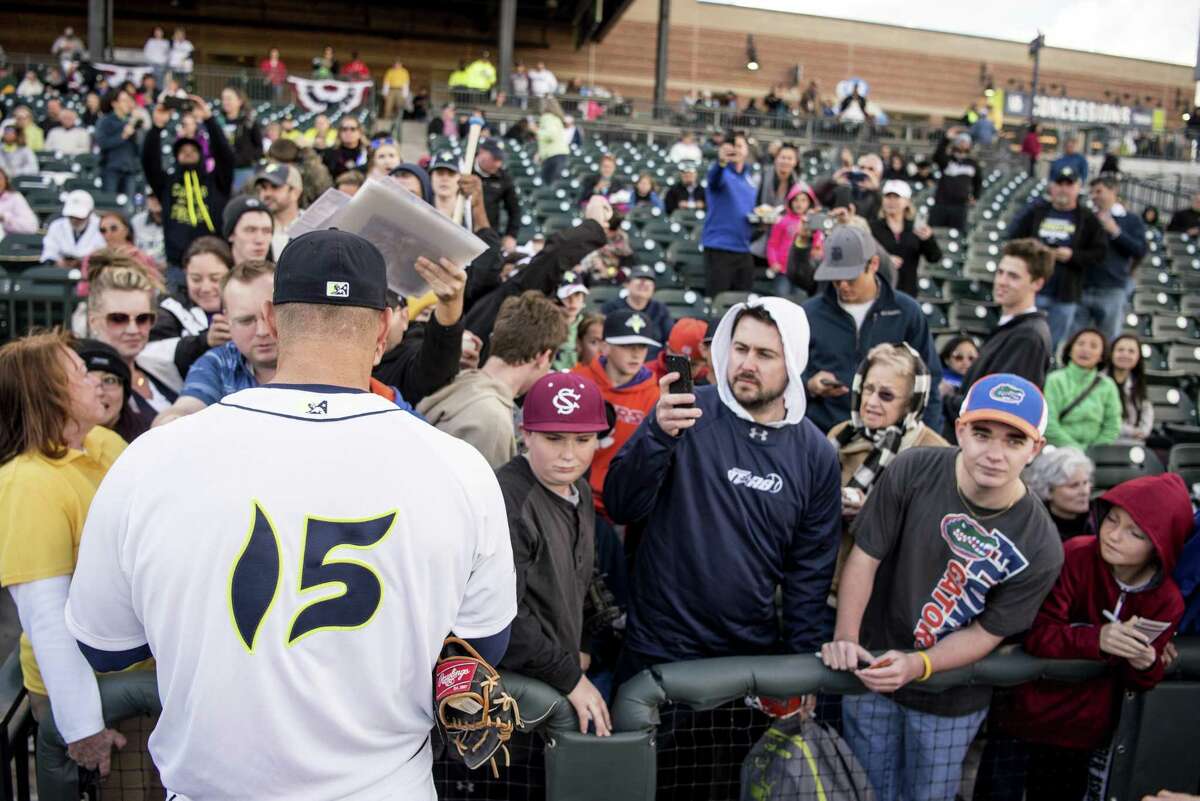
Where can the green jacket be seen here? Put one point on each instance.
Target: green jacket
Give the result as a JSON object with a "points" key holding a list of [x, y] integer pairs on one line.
{"points": [[568, 354], [1095, 421]]}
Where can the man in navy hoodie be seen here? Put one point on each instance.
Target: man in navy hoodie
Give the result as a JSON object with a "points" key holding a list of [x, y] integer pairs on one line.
{"points": [[726, 235], [739, 494]]}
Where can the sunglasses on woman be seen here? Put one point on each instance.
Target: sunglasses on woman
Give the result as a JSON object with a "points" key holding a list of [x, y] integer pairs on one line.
{"points": [[143, 320], [884, 394], [110, 229]]}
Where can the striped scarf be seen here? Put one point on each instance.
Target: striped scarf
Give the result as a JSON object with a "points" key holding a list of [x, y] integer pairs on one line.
{"points": [[886, 441]]}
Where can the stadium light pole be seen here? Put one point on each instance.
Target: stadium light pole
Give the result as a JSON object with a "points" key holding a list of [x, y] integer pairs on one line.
{"points": [[660, 62], [98, 29], [508, 31], [1035, 50]]}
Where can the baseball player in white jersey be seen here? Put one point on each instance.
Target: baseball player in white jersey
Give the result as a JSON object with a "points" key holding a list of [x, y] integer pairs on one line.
{"points": [[293, 557]]}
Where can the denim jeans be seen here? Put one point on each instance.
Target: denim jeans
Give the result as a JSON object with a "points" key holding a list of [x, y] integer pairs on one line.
{"points": [[117, 181], [1061, 316], [1102, 308], [907, 754]]}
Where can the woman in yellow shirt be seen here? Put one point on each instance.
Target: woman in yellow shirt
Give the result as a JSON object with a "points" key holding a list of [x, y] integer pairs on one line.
{"points": [[53, 454]]}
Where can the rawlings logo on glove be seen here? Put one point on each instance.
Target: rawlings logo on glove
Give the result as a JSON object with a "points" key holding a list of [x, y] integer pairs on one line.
{"points": [[471, 706]]}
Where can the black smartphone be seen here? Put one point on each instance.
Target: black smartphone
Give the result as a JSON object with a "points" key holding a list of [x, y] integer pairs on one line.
{"points": [[177, 103], [682, 365], [825, 382]]}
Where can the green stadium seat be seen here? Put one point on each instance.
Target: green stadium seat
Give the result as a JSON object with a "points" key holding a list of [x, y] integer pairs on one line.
{"points": [[18, 251], [1184, 459], [1118, 463], [40, 297]]}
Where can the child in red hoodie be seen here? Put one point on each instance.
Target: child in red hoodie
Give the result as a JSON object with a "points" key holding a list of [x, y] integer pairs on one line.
{"points": [[1112, 590]]}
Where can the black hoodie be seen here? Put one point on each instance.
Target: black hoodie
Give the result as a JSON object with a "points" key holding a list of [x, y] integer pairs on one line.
{"points": [[193, 200]]}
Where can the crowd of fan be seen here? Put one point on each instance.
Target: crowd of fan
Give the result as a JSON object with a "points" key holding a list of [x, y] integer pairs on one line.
{"points": [[814, 457]]}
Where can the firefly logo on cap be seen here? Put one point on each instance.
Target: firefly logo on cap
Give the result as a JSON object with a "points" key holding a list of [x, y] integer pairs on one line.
{"points": [[337, 289], [566, 400], [1007, 393], [636, 323]]}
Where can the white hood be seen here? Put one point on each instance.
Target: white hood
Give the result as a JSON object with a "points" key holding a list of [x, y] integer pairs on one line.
{"points": [[793, 328]]}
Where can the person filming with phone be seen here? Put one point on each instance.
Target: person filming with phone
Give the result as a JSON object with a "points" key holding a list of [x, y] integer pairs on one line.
{"points": [[738, 494]]}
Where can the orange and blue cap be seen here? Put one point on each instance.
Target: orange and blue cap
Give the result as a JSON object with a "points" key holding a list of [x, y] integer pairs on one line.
{"points": [[1009, 399]]}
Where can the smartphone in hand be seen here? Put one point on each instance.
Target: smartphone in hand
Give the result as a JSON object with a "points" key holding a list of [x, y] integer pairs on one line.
{"points": [[683, 366]]}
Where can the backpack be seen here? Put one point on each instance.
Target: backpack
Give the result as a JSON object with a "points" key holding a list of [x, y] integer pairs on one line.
{"points": [[803, 760]]}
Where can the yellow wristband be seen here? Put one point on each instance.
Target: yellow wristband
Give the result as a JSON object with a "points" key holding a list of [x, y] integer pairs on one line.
{"points": [[928, 665]]}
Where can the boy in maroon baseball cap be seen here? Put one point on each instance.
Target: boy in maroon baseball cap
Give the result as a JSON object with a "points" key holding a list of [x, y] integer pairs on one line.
{"points": [[552, 524]]}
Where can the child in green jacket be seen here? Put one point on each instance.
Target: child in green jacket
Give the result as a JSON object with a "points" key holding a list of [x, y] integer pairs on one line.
{"points": [[1094, 420]]}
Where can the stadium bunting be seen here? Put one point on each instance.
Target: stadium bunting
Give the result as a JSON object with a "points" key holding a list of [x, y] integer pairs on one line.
{"points": [[321, 95]]}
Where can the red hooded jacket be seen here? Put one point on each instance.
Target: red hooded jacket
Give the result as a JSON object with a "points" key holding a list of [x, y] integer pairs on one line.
{"points": [[1083, 715]]}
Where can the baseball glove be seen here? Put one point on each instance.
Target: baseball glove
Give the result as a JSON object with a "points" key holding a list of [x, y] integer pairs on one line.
{"points": [[474, 711]]}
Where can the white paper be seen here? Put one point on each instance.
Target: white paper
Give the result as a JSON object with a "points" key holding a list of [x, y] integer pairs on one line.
{"points": [[402, 225]]}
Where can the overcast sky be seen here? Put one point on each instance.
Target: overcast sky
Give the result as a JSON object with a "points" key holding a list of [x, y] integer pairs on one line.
{"points": [[1159, 30]]}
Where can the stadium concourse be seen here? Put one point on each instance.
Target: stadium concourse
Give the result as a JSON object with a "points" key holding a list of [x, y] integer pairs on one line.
{"points": [[834, 462]]}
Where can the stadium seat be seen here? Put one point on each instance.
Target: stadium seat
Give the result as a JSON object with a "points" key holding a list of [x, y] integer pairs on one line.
{"points": [[603, 293], [962, 289], [40, 297], [972, 316], [935, 316], [1155, 302], [1174, 414], [18, 251], [682, 302], [1184, 459], [1174, 326], [1118, 463], [725, 300], [1185, 358]]}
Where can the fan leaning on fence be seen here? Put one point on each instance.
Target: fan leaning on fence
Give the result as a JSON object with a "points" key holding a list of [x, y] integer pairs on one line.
{"points": [[951, 555]]}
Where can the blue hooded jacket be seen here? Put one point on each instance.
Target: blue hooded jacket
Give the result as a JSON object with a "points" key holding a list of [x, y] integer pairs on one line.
{"points": [[730, 197], [420, 174], [839, 348], [733, 509]]}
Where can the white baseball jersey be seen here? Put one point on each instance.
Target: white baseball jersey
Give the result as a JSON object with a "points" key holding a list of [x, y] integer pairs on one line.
{"points": [[294, 557]]}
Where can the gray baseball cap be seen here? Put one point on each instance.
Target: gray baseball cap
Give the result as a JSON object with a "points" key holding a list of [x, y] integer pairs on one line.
{"points": [[847, 251]]}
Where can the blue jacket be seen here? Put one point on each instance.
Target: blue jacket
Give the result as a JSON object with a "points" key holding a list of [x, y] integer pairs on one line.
{"points": [[1122, 251], [732, 511], [729, 197], [836, 346], [117, 154], [1075, 161]]}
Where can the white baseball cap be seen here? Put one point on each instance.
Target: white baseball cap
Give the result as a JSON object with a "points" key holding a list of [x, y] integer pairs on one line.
{"points": [[78, 203], [894, 187]]}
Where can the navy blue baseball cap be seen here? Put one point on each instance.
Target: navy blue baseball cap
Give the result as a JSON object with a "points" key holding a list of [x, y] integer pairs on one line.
{"points": [[1009, 399], [1064, 174], [444, 160], [625, 327], [331, 267]]}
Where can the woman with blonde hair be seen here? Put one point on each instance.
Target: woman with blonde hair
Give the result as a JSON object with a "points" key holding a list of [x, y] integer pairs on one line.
{"points": [[905, 238], [121, 309], [385, 156], [53, 455]]}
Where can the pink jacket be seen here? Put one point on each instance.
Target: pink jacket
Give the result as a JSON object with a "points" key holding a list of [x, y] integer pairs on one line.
{"points": [[779, 244], [18, 217]]}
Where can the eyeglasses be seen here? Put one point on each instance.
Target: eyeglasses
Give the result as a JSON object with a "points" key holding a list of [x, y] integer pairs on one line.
{"points": [[110, 229], [884, 394], [348, 128], [109, 380], [143, 320]]}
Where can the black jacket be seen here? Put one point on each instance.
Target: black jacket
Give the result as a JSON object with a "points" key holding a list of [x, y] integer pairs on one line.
{"points": [[193, 200], [1184, 220], [553, 552], [588, 188], [425, 360], [179, 318], [563, 251], [247, 141], [1089, 246], [678, 193], [962, 179], [1021, 346], [338, 159], [909, 247], [498, 190]]}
